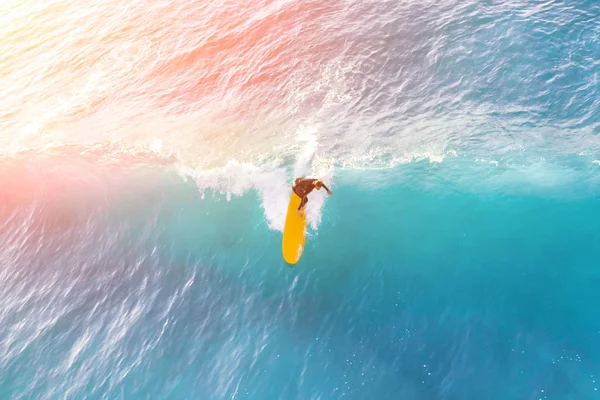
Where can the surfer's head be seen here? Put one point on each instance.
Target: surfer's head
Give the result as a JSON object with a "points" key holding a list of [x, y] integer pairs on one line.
{"points": [[318, 184]]}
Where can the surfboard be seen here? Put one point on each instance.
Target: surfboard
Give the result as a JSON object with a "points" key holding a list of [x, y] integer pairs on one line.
{"points": [[294, 232]]}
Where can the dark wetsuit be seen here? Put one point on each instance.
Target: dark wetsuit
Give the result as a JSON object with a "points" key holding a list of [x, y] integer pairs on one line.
{"points": [[303, 186]]}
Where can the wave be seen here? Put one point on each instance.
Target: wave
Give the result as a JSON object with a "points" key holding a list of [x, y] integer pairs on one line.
{"points": [[271, 182], [90, 178]]}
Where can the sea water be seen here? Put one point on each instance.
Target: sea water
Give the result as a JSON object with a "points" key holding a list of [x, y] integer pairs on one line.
{"points": [[146, 155]]}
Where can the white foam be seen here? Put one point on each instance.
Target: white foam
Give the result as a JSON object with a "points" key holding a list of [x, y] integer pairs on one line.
{"points": [[271, 182], [308, 164], [307, 137], [382, 158]]}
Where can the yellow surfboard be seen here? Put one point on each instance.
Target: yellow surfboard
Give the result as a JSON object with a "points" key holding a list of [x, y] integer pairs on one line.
{"points": [[294, 232]]}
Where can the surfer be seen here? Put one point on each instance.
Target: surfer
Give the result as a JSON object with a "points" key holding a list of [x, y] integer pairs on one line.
{"points": [[303, 186]]}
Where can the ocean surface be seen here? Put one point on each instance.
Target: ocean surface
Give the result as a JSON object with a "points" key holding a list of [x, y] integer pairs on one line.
{"points": [[147, 150]]}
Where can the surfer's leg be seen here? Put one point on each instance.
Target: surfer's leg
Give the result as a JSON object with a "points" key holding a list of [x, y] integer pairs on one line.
{"points": [[302, 204]]}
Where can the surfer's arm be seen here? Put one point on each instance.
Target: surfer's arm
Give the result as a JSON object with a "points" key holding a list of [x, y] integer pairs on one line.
{"points": [[326, 188]]}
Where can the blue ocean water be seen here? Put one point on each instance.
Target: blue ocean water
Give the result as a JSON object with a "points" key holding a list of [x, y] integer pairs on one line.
{"points": [[407, 290], [147, 155]]}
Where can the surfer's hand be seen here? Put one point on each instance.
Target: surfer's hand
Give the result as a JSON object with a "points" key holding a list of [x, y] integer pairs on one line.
{"points": [[329, 192]]}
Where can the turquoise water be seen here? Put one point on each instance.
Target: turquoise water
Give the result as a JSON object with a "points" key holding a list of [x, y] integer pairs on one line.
{"points": [[407, 290], [146, 156]]}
